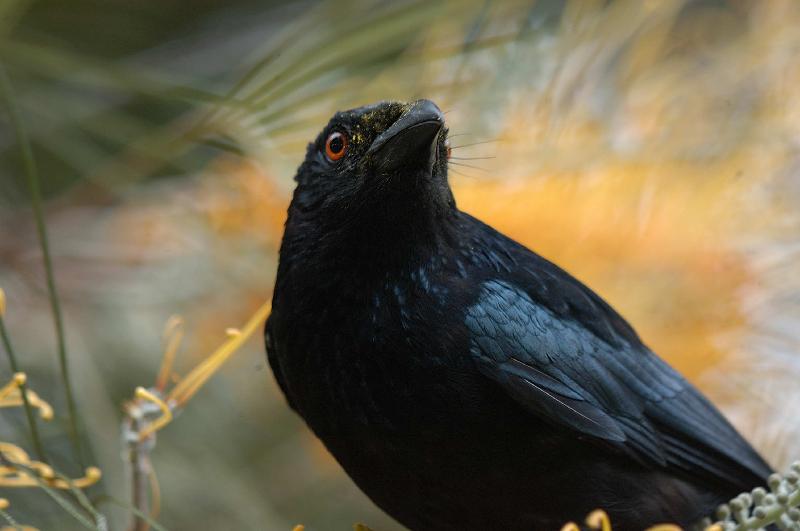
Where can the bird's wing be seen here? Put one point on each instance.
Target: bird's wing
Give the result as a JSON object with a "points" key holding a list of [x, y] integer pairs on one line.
{"points": [[618, 392]]}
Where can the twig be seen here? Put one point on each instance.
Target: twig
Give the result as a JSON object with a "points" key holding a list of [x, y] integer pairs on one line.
{"points": [[139, 461]]}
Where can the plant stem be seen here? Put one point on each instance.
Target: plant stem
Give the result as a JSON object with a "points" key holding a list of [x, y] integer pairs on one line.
{"points": [[32, 177], [10, 521], [68, 507], [139, 460], [110, 499], [23, 389]]}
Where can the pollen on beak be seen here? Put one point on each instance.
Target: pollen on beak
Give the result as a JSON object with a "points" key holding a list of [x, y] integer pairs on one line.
{"points": [[411, 142]]}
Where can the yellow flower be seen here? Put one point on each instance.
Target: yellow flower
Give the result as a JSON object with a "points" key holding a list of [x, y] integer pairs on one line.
{"points": [[11, 396], [18, 472], [167, 402]]}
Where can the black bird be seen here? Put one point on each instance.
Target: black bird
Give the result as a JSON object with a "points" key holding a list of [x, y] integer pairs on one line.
{"points": [[461, 380]]}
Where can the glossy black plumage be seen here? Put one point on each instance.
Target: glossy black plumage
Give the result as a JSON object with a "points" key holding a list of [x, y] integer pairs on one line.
{"points": [[461, 380]]}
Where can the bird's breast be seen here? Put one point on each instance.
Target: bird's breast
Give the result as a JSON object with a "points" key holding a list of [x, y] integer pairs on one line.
{"points": [[379, 358]]}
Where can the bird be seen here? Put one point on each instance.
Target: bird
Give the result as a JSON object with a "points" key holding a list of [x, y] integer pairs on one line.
{"points": [[460, 379]]}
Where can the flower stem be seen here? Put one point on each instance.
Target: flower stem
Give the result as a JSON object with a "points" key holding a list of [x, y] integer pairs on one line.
{"points": [[32, 177], [23, 389]]}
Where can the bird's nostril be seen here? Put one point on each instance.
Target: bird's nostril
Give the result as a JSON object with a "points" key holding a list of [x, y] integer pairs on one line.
{"points": [[427, 108], [412, 139]]}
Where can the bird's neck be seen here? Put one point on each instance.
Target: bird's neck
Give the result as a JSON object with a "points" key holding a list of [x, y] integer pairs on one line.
{"points": [[382, 248]]}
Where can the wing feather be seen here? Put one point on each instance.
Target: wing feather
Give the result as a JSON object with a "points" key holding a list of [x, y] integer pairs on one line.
{"points": [[617, 391]]}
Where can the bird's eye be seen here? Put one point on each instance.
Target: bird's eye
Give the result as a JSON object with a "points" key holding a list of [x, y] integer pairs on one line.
{"points": [[448, 148], [336, 146]]}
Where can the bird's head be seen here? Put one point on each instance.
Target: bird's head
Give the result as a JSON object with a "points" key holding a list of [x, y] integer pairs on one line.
{"points": [[377, 168]]}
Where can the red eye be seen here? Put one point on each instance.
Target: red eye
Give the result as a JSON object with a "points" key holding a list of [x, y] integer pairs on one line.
{"points": [[336, 146], [449, 149]]}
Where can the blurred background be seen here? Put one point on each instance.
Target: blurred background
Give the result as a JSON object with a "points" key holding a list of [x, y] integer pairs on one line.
{"points": [[652, 148]]}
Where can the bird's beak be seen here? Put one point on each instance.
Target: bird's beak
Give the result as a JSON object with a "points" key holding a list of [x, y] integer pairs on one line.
{"points": [[411, 143]]}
